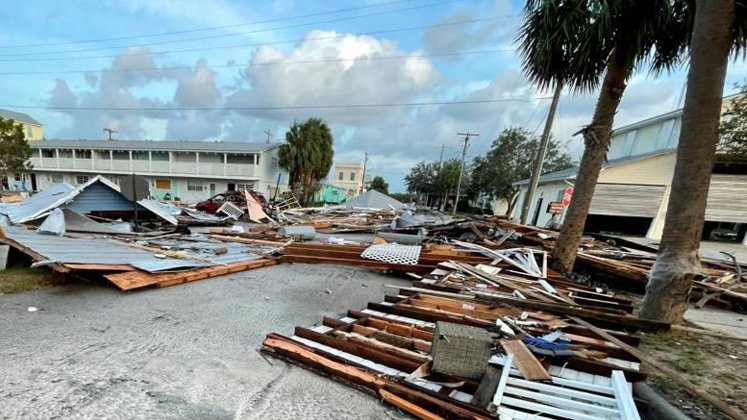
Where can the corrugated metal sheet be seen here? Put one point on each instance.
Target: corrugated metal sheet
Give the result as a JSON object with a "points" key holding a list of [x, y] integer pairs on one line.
{"points": [[627, 200], [373, 199], [100, 197], [727, 199], [38, 204]]}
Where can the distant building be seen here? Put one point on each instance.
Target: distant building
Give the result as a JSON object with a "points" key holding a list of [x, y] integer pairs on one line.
{"points": [[31, 127], [330, 194], [632, 192], [349, 175], [189, 170]]}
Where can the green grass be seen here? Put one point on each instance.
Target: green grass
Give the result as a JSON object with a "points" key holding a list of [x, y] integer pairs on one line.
{"points": [[688, 358], [24, 279]]}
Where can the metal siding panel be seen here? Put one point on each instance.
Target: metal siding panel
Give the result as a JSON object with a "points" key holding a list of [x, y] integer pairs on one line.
{"points": [[727, 199], [627, 200], [99, 197]]}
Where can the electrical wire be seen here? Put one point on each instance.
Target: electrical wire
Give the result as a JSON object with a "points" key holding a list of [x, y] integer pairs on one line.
{"points": [[203, 29], [234, 34], [266, 63], [261, 44], [270, 108]]}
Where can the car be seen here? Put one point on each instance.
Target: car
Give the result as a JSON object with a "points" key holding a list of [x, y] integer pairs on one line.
{"points": [[212, 204]]}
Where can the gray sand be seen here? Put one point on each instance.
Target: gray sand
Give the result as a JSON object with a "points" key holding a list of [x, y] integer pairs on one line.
{"points": [[186, 352]]}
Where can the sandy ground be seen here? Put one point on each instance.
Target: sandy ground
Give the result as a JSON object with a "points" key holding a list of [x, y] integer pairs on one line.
{"points": [[187, 352]]}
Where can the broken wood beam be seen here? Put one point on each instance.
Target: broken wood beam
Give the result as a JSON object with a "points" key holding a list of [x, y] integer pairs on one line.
{"points": [[531, 369]]}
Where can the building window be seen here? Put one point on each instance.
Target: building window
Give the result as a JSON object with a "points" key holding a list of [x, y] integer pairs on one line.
{"points": [[194, 186], [57, 179], [83, 154], [341, 176], [48, 153], [352, 176], [17, 177], [29, 132], [242, 187], [121, 155], [160, 156], [81, 179], [139, 155], [65, 154], [163, 184]]}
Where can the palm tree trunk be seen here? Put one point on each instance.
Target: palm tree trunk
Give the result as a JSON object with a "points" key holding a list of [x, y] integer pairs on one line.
{"points": [[677, 264], [597, 137]]}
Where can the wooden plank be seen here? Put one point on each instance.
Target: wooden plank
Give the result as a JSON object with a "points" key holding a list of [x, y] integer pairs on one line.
{"points": [[529, 366], [137, 279], [385, 337], [624, 397], [382, 346], [502, 383], [100, 267], [397, 329], [692, 388], [408, 407]]}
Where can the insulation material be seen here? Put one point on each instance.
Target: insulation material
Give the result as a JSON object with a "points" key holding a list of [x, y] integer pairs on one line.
{"points": [[461, 350], [393, 253]]}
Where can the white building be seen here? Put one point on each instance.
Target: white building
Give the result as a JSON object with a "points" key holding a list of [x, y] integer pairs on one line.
{"points": [[188, 170], [632, 192], [349, 175]]}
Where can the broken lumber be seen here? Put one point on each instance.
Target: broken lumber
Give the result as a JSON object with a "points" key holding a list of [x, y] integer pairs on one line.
{"points": [[531, 369]]}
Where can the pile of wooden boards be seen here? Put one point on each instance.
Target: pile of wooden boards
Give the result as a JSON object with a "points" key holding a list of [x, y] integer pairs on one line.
{"points": [[543, 363]]}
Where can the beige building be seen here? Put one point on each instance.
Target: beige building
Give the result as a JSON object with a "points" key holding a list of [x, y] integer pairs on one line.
{"points": [[349, 175], [31, 127], [632, 192]]}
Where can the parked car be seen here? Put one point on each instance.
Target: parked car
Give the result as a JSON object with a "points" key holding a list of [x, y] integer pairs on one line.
{"points": [[212, 204]]}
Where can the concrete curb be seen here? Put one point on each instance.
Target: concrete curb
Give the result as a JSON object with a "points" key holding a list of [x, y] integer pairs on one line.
{"points": [[659, 409]]}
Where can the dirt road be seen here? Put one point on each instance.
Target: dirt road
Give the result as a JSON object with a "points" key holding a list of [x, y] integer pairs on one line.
{"points": [[186, 352]]}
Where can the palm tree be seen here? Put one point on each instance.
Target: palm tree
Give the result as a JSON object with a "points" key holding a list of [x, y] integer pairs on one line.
{"points": [[715, 32], [307, 156]]}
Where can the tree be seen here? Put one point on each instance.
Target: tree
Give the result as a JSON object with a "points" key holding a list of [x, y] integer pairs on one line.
{"points": [[677, 263], [577, 43], [511, 158], [14, 149], [307, 156], [380, 185], [434, 179], [732, 144]]}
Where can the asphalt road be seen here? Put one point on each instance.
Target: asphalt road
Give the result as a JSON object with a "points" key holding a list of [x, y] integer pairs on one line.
{"points": [[186, 352]]}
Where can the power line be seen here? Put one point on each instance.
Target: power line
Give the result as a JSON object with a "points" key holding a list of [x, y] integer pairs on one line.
{"points": [[266, 63], [270, 108], [255, 31], [203, 29], [260, 44]]}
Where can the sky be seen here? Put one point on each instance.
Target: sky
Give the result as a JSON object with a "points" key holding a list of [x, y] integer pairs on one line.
{"points": [[397, 79]]}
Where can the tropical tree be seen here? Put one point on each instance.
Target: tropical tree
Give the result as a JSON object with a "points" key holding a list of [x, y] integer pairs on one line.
{"points": [[511, 158], [380, 185], [307, 156], [578, 44], [14, 149], [732, 144], [436, 179], [715, 33]]}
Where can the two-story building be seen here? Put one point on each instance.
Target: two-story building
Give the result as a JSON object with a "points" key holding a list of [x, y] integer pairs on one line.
{"points": [[185, 170], [31, 127], [349, 175], [632, 192]]}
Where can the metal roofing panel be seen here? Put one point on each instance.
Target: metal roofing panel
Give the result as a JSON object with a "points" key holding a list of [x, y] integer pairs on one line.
{"points": [[373, 199], [18, 117], [38, 204]]}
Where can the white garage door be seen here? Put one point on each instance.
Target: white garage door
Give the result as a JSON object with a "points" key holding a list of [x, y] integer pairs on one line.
{"points": [[727, 199], [627, 200]]}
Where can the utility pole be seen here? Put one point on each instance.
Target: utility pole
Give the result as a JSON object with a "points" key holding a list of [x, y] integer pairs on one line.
{"points": [[365, 161], [540, 156], [440, 171], [110, 131], [269, 135], [461, 167]]}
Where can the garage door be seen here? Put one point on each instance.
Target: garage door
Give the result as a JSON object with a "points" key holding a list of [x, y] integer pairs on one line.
{"points": [[727, 199], [627, 200]]}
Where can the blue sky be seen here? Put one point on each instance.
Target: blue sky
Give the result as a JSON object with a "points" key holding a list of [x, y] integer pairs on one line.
{"points": [[236, 57]]}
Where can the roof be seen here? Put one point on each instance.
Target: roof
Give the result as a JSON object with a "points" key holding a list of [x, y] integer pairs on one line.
{"points": [[18, 117], [658, 118], [373, 199], [159, 145], [571, 172]]}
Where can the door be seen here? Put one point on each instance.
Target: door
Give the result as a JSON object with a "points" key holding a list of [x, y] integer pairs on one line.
{"points": [[33, 182], [727, 199], [537, 212], [231, 187], [628, 200]]}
